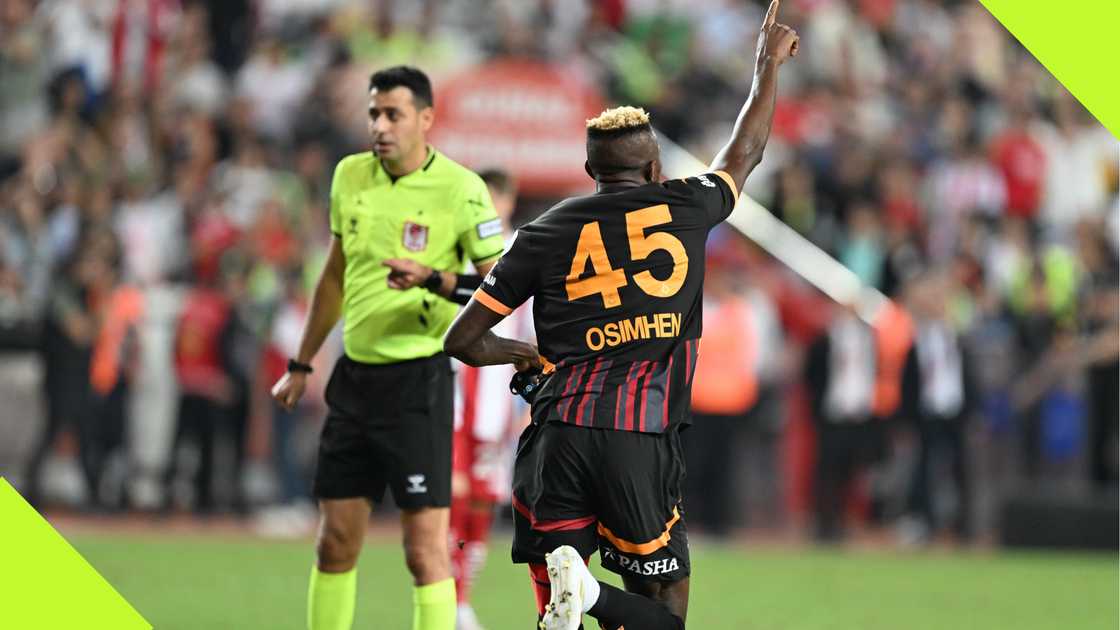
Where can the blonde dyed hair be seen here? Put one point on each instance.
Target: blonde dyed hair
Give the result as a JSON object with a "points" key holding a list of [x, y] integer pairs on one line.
{"points": [[618, 119]]}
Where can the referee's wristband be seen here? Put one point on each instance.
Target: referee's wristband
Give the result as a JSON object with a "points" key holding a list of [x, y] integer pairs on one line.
{"points": [[465, 285], [296, 366]]}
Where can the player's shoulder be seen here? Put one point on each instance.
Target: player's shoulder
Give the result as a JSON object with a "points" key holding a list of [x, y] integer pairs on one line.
{"points": [[565, 208]]}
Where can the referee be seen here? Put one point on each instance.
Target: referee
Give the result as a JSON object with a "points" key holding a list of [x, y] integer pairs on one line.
{"points": [[405, 219]]}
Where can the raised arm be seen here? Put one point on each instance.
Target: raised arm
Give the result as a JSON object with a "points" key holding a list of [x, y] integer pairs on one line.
{"points": [[776, 43]]}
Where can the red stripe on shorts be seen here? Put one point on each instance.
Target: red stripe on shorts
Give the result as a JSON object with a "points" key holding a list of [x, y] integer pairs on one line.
{"points": [[552, 526]]}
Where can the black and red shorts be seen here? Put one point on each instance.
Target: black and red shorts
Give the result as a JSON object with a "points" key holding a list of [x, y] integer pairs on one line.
{"points": [[618, 492]]}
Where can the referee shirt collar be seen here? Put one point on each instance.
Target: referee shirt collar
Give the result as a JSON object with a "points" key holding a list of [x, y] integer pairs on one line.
{"points": [[379, 171]]}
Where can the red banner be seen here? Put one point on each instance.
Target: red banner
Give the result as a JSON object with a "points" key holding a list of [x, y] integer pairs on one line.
{"points": [[525, 116]]}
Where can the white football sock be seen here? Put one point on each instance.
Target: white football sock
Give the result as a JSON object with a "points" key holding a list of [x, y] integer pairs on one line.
{"points": [[590, 590]]}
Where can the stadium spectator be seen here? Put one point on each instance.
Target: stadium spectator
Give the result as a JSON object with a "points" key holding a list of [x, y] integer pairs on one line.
{"points": [[66, 342], [1102, 324], [740, 355], [210, 391], [939, 397], [848, 371], [841, 382], [118, 308], [1021, 160], [23, 102], [1043, 303]]}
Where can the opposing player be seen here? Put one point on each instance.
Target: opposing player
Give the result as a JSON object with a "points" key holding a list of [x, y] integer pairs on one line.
{"points": [[486, 417], [405, 220], [617, 280]]}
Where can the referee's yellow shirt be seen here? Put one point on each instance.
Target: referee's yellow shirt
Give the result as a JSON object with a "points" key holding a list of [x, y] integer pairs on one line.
{"points": [[440, 215]]}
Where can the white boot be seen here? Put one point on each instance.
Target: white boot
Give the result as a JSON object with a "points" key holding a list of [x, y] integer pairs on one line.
{"points": [[574, 590]]}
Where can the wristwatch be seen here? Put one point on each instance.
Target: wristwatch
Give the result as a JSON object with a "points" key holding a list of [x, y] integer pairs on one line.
{"points": [[434, 281], [296, 366]]}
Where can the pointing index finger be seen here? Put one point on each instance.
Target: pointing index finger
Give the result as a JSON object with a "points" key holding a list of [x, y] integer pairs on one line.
{"points": [[771, 14]]}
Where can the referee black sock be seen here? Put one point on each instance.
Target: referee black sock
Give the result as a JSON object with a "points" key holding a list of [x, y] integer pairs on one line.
{"points": [[616, 607]]}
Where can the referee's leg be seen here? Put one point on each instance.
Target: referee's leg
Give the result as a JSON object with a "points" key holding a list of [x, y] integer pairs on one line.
{"points": [[429, 561], [334, 579], [419, 470], [425, 544]]}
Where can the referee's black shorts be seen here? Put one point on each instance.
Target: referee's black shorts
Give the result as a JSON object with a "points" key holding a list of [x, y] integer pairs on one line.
{"points": [[388, 425], [615, 491]]}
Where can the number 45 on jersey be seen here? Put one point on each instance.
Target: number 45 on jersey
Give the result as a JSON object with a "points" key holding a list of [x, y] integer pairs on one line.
{"points": [[607, 280]]}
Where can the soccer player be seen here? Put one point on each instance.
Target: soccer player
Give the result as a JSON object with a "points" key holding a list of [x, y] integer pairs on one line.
{"points": [[617, 281], [405, 219], [485, 418]]}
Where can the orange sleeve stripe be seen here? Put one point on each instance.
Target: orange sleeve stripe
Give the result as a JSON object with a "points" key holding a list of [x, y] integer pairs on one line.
{"points": [[730, 183], [641, 549], [489, 302]]}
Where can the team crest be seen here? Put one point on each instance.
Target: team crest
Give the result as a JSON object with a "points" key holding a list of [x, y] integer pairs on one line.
{"points": [[415, 236]]}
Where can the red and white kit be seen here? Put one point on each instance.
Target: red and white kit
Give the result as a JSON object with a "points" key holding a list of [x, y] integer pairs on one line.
{"points": [[487, 420]]}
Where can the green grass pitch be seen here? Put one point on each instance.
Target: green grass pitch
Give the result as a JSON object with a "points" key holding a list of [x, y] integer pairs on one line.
{"points": [[200, 582]]}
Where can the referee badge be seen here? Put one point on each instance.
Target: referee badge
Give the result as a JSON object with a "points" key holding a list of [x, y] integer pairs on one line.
{"points": [[415, 236]]}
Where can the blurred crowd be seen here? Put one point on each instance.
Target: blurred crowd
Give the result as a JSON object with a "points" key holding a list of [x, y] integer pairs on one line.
{"points": [[164, 175]]}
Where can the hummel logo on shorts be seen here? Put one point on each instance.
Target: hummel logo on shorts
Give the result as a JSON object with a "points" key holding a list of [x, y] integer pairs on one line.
{"points": [[416, 485]]}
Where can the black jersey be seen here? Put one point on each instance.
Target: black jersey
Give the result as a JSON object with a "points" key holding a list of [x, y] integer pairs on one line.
{"points": [[617, 283]]}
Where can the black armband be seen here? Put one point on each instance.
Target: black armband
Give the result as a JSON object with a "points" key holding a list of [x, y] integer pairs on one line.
{"points": [[465, 285]]}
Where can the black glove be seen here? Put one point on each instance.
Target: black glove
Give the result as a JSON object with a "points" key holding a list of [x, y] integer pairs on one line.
{"points": [[526, 384]]}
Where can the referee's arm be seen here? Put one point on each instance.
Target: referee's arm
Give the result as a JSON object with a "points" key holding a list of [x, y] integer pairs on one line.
{"points": [[405, 274], [326, 307]]}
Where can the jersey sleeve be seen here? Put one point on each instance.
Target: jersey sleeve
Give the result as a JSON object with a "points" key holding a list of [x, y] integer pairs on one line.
{"points": [[715, 193], [478, 225], [512, 280], [336, 194]]}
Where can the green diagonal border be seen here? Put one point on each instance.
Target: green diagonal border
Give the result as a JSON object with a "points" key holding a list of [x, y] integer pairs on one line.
{"points": [[1078, 41], [45, 584]]}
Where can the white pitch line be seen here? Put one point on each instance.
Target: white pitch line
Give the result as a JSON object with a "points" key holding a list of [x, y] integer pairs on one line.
{"points": [[782, 242]]}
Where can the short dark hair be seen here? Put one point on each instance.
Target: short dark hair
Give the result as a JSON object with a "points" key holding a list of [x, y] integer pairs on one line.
{"points": [[497, 178], [404, 76]]}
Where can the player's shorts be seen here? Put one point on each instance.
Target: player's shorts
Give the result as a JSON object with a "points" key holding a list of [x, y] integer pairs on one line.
{"points": [[388, 425], [615, 491]]}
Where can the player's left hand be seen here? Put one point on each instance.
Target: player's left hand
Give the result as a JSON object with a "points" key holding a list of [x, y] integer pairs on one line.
{"points": [[405, 273]]}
